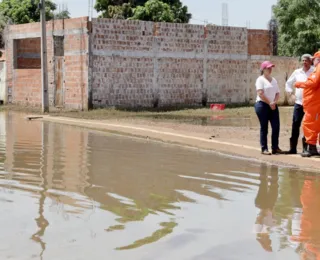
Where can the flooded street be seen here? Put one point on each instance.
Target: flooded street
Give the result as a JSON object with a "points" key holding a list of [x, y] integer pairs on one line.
{"points": [[69, 193]]}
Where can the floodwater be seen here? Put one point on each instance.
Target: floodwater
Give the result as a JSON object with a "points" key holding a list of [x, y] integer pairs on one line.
{"points": [[73, 194]]}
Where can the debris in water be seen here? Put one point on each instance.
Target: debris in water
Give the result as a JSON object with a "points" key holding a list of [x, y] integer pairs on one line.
{"points": [[33, 117]]}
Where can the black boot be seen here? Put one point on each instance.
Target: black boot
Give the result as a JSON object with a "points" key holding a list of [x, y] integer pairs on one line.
{"points": [[304, 145], [311, 151], [293, 147]]}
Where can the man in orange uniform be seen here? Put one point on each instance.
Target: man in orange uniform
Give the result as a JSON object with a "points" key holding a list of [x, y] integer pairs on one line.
{"points": [[311, 105]]}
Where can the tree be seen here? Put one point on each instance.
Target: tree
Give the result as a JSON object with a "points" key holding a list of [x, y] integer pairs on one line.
{"points": [[273, 29], [3, 22], [64, 14], [25, 11], [298, 26], [148, 10], [123, 11], [154, 10]]}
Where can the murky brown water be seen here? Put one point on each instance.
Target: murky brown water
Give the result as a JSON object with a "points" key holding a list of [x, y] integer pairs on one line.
{"points": [[69, 193]]}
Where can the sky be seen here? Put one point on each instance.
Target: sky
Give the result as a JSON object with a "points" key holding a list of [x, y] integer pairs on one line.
{"points": [[254, 14]]}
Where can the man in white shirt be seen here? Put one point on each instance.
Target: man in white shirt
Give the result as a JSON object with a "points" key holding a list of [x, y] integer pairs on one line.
{"points": [[298, 75]]}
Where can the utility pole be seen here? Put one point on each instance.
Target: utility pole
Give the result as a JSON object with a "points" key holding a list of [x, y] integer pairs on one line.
{"points": [[44, 69]]}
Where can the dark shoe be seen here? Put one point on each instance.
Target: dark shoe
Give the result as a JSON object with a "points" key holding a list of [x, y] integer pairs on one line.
{"points": [[293, 147], [311, 151], [277, 151], [265, 152]]}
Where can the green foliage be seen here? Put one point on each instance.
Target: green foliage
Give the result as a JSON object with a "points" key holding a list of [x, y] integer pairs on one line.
{"points": [[147, 10], [3, 22], [25, 11], [154, 10], [123, 11], [64, 14], [298, 26]]}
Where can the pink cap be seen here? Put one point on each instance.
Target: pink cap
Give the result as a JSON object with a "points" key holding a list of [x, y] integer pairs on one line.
{"points": [[266, 65]]}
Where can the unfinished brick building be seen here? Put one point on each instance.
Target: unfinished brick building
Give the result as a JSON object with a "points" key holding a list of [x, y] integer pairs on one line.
{"points": [[67, 50], [137, 64]]}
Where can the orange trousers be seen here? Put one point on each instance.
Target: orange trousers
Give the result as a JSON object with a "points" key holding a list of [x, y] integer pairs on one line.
{"points": [[311, 126]]}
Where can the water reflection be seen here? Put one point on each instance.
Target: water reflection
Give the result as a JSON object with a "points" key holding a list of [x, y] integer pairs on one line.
{"points": [[308, 224], [77, 194], [265, 202], [41, 221]]}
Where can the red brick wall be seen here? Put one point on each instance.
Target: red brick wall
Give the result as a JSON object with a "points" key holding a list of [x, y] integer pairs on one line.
{"points": [[259, 42], [26, 87], [75, 74]]}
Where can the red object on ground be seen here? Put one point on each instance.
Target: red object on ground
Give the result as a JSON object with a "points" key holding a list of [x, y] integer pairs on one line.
{"points": [[217, 106]]}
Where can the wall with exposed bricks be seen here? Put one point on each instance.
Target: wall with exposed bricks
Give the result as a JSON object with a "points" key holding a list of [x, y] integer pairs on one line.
{"points": [[23, 48], [139, 64], [259, 42]]}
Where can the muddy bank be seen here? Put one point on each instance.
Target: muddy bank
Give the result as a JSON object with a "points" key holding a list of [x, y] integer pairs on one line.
{"points": [[230, 140]]}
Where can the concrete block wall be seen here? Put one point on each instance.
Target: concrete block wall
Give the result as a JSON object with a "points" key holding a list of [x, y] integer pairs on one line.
{"points": [[122, 63], [23, 46], [178, 63], [227, 40], [181, 64], [226, 64]]}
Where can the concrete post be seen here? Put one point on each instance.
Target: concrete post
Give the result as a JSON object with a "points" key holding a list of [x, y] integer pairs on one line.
{"points": [[44, 70]]}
